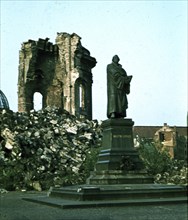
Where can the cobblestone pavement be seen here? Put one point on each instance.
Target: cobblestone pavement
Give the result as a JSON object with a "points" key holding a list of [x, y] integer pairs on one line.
{"points": [[12, 207]]}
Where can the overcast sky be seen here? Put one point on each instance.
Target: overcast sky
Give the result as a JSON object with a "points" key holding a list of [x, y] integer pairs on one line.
{"points": [[150, 38]]}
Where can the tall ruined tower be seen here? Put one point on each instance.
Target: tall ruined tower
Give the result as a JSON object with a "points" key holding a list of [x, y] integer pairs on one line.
{"points": [[60, 72]]}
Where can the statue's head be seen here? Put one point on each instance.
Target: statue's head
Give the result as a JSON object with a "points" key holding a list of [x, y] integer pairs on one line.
{"points": [[115, 59]]}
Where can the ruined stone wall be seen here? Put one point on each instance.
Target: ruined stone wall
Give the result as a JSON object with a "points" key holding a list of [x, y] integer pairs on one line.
{"points": [[67, 45], [60, 72], [36, 72]]}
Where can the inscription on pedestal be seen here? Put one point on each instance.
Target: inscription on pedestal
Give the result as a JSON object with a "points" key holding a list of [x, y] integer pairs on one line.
{"points": [[122, 136]]}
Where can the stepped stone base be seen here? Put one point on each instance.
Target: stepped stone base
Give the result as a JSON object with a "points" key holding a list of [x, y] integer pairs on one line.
{"points": [[119, 177], [117, 192], [84, 196]]}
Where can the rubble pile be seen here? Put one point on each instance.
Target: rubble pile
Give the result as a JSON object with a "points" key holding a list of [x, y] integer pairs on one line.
{"points": [[45, 148]]}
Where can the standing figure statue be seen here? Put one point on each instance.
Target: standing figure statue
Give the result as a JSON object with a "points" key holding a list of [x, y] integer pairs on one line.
{"points": [[118, 86]]}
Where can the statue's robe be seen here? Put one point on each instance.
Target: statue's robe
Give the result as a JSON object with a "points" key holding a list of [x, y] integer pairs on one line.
{"points": [[118, 85]]}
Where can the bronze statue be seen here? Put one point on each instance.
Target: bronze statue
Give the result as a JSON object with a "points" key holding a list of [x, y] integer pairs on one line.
{"points": [[118, 86]]}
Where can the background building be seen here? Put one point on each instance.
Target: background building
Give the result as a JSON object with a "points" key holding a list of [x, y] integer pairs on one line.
{"points": [[3, 101], [173, 138]]}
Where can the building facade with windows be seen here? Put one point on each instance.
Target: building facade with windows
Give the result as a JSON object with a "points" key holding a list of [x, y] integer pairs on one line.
{"points": [[172, 138]]}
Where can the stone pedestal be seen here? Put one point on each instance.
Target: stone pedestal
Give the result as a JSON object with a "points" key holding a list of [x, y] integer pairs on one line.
{"points": [[118, 161], [119, 178]]}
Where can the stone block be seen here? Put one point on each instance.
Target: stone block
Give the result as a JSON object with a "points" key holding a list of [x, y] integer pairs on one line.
{"points": [[118, 152]]}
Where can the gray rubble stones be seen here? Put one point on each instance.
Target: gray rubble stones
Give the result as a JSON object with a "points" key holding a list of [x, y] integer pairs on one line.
{"points": [[46, 147]]}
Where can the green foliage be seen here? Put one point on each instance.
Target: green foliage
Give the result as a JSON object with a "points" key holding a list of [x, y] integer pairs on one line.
{"points": [[89, 164], [180, 148], [155, 159], [177, 175], [158, 162]]}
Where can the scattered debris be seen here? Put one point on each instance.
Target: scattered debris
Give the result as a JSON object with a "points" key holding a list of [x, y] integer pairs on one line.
{"points": [[3, 191], [44, 148]]}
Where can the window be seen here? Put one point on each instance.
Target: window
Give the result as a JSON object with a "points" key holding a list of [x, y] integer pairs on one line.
{"points": [[38, 103], [81, 97], [161, 136]]}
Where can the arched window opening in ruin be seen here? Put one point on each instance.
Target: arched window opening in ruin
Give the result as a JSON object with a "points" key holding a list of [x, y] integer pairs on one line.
{"points": [[81, 97], [37, 101]]}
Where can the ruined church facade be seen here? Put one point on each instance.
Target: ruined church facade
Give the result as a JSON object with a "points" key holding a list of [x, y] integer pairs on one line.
{"points": [[60, 72]]}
